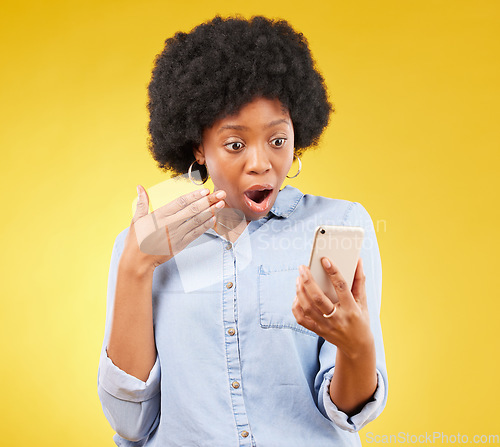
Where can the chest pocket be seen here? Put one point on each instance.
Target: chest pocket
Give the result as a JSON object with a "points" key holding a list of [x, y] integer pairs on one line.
{"points": [[277, 292]]}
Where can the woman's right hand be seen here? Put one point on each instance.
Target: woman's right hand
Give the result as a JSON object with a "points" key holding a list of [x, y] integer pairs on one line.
{"points": [[184, 219]]}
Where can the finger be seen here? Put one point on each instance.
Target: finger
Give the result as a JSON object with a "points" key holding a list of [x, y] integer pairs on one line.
{"points": [[311, 297], [321, 302], [187, 205], [173, 216], [188, 235], [184, 226], [167, 240], [167, 235], [339, 283], [305, 316], [359, 284], [201, 205], [142, 207]]}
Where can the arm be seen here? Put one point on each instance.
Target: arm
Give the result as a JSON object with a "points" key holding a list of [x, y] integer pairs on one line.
{"points": [[131, 344], [131, 405], [352, 381], [367, 368], [129, 369], [355, 379]]}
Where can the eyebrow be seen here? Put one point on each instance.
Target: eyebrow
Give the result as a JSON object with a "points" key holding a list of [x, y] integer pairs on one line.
{"points": [[276, 122], [237, 127], [232, 126]]}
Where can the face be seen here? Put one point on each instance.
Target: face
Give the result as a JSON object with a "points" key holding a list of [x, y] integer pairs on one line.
{"points": [[249, 154]]}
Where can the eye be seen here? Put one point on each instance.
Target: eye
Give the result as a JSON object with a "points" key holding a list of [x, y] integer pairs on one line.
{"points": [[234, 145], [278, 142]]}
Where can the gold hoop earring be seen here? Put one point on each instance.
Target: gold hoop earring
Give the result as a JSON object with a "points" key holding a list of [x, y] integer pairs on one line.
{"points": [[300, 167], [189, 173]]}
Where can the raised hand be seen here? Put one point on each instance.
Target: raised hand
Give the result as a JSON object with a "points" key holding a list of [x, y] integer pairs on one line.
{"points": [[154, 238]]}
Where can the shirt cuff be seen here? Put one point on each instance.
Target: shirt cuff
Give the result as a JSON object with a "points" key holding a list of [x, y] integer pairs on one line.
{"points": [[125, 386], [351, 423]]}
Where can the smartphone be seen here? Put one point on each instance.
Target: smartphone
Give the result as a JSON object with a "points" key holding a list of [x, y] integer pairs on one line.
{"points": [[340, 244]]}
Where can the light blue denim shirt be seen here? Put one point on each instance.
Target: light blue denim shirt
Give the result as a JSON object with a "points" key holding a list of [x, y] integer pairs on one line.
{"points": [[234, 368]]}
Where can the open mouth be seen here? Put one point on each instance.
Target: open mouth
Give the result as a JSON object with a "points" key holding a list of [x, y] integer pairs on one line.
{"points": [[258, 200], [258, 196]]}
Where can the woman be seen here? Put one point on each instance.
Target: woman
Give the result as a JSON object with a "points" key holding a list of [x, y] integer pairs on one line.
{"points": [[225, 338]]}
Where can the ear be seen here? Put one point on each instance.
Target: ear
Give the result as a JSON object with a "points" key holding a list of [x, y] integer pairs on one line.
{"points": [[199, 154]]}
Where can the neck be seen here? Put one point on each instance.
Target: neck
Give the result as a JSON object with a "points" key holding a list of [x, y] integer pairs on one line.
{"points": [[230, 223]]}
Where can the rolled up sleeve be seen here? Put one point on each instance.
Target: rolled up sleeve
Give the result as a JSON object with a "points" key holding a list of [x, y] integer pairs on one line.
{"points": [[126, 387], [351, 423]]}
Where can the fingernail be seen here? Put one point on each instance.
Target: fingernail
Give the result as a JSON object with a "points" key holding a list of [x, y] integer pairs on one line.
{"points": [[302, 271], [204, 192], [326, 263], [220, 194]]}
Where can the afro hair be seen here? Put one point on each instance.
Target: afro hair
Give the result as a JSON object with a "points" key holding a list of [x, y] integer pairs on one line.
{"points": [[220, 66]]}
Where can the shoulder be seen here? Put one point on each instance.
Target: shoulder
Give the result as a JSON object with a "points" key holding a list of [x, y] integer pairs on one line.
{"points": [[345, 212], [312, 202]]}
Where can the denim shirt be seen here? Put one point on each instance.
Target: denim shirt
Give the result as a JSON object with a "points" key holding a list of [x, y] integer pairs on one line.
{"points": [[234, 368]]}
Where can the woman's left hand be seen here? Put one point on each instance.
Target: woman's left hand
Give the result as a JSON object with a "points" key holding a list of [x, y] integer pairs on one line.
{"points": [[349, 326]]}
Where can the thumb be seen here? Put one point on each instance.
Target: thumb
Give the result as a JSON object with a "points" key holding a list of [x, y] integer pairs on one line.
{"points": [[142, 208]]}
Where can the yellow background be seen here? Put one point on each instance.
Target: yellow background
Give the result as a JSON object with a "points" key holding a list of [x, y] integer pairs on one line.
{"points": [[414, 138]]}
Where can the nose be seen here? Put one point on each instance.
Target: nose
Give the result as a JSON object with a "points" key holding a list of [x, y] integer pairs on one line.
{"points": [[258, 161]]}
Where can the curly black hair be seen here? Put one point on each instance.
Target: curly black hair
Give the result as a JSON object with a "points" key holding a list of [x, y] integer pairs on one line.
{"points": [[222, 65]]}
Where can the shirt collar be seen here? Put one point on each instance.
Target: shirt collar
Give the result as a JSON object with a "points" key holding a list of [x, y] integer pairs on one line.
{"points": [[286, 201]]}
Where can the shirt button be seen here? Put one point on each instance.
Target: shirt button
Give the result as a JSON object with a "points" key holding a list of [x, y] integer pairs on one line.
{"points": [[229, 285], [231, 331], [229, 246], [244, 433], [235, 385]]}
